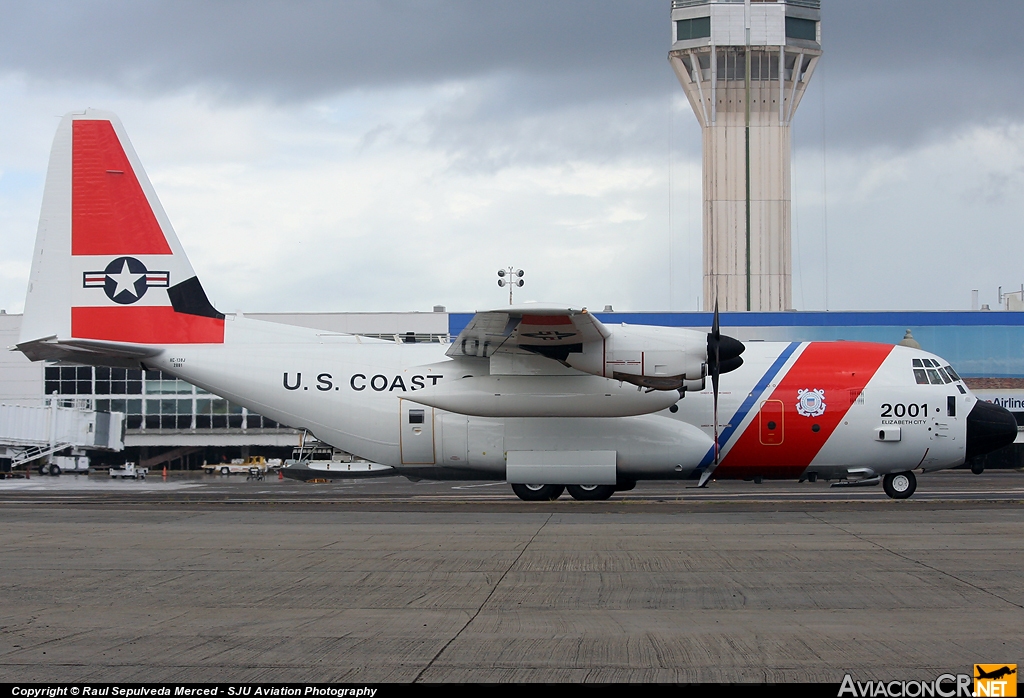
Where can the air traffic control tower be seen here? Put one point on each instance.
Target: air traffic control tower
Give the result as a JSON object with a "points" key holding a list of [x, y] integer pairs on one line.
{"points": [[727, 55]]}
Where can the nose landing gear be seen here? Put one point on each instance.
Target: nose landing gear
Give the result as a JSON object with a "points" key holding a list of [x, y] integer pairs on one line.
{"points": [[899, 485]]}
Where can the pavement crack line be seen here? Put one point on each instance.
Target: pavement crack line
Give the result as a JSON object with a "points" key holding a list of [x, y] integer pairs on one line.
{"points": [[916, 562], [484, 602]]}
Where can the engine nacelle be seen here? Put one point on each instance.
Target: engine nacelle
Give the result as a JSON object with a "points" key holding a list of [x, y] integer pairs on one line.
{"points": [[660, 358]]}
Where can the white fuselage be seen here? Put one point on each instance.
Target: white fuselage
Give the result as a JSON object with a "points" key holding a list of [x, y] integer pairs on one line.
{"points": [[353, 392]]}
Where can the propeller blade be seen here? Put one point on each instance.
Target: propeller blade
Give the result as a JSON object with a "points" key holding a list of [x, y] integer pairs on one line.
{"points": [[716, 339], [714, 385], [716, 329]]}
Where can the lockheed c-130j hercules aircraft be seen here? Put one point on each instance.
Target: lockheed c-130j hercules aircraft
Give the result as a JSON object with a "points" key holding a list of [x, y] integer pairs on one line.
{"points": [[545, 398]]}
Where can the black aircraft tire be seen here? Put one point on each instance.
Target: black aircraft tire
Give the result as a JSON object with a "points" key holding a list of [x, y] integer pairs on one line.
{"points": [[977, 468], [590, 493], [899, 485], [538, 493]]}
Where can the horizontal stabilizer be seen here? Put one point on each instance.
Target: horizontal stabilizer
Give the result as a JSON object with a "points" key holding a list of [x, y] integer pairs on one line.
{"points": [[87, 351]]}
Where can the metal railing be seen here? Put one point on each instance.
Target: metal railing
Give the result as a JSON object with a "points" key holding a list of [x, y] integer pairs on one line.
{"points": [[36, 452], [813, 4], [410, 337]]}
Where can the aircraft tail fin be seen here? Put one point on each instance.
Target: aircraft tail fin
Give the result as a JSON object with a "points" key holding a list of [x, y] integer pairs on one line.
{"points": [[107, 266]]}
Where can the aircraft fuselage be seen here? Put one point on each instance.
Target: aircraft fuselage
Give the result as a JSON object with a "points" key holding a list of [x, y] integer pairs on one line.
{"points": [[835, 409]]}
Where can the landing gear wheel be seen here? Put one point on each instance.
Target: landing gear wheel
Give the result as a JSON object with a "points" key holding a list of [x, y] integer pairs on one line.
{"points": [[225, 471], [538, 493], [899, 485], [591, 493], [977, 468]]}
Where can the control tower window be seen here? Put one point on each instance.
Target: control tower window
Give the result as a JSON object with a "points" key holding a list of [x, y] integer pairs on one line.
{"points": [[696, 28], [731, 65], [798, 28], [764, 65]]}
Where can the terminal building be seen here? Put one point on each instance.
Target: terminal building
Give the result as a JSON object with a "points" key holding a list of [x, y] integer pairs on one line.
{"points": [[175, 424]]}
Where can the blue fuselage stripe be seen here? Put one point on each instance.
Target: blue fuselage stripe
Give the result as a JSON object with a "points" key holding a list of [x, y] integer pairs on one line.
{"points": [[748, 403]]}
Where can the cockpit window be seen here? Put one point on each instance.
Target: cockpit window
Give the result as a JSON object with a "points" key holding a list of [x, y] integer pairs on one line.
{"points": [[928, 371]]}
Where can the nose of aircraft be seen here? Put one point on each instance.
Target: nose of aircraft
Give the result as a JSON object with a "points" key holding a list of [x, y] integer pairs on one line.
{"points": [[989, 427]]}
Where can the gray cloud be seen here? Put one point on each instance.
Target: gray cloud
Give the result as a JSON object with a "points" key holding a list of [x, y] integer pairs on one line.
{"points": [[896, 73], [893, 72], [290, 50]]}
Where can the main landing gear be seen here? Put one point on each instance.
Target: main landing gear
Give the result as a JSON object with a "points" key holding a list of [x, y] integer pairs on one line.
{"points": [[538, 493], [547, 493], [899, 485], [590, 493]]}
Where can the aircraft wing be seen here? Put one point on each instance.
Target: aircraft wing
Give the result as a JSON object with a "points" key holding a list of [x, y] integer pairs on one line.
{"points": [[549, 331]]}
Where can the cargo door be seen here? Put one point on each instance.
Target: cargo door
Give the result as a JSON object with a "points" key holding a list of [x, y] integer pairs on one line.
{"points": [[417, 433], [772, 422]]}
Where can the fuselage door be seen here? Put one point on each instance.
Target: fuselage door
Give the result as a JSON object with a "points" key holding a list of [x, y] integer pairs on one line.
{"points": [[772, 422], [417, 433]]}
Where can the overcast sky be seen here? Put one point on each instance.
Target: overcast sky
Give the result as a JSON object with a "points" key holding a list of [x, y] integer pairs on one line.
{"points": [[393, 155]]}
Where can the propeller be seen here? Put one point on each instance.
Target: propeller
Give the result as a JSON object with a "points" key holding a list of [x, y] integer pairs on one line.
{"points": [[723, 357], [715, 350]]}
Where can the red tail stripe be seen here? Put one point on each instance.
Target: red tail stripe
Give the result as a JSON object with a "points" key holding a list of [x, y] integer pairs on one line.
{"points": [[110, 214], [145, 325]]}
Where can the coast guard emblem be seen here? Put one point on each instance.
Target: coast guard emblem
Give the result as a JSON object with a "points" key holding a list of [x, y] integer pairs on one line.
{"points": [[811, 403]]}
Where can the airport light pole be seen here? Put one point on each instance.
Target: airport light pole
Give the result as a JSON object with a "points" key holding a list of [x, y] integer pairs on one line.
{"points": [[512, 278]]}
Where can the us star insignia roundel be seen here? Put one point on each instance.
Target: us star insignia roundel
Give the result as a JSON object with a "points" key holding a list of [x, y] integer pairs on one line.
{"points": [[811, 403], [125, 280]]}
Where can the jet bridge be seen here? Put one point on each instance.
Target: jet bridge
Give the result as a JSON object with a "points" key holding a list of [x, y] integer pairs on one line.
{"points": [[32, 433]]}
